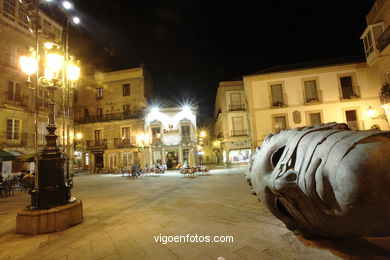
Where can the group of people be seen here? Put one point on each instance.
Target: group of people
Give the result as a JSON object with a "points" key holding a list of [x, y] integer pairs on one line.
{"points": [[23, 180]]}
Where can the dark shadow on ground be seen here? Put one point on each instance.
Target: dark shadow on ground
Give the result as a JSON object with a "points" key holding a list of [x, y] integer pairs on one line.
{"points": [[353, 248]]}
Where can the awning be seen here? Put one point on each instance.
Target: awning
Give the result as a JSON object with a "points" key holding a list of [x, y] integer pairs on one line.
{"points": [[6, 156], [26, 157]]}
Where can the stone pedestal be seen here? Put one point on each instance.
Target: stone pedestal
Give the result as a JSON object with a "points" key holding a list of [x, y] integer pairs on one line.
{"points": [[33, 222]]}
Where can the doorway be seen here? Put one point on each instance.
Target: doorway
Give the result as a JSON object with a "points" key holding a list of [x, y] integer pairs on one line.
{"points": [[172, 159]]}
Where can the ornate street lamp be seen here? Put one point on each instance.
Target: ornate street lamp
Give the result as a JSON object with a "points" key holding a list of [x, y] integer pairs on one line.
{"points": [[51, 189]]}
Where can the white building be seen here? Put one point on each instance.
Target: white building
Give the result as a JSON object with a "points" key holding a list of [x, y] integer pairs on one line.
{"points": [[171, 136]]}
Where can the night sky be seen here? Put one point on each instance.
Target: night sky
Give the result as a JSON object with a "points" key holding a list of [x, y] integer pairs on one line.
{"points": [[191, 45]]}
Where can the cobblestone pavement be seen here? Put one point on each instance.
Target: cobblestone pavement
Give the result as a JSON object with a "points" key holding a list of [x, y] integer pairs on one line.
{"points": [[122, 215]]}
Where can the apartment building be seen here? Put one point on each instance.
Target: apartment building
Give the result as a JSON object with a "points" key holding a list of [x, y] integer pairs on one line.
{"points": [[376, 41], [232, 129], [17, 102], [109, 119], [289, 96]]}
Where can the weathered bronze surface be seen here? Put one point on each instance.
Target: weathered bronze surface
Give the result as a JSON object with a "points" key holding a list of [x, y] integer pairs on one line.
{"points": [[325, 180]]}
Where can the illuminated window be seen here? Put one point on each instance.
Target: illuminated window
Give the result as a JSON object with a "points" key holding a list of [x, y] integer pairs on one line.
{"points": [[126, 89], [125, 132], [42, 131], [13, 129], [99, 93]]}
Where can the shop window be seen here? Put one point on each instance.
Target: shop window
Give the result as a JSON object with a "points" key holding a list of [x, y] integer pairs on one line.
{"points": [[236, 156]]}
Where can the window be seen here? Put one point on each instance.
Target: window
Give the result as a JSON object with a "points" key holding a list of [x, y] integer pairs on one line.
{"points": [[13, 91], [235, 101], [314, 118], [13, 129], [280, 123], [98, 134], [368, 45], [112, 160], [352, 119], [127, 159], [238, 126], [99, 112], [277, 95], [311, 94], [125, 132], [347, 88], [9, 9], [86, 113], [186, 155], [46, 27], [185, 130], [126, 89], [42, 131], [99, 93], [43, 97], [156, 132], [126, 109], [23, 16]]}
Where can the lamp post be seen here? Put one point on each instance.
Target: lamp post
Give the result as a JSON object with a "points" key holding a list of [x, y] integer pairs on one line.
{"points": [[59, 71]]}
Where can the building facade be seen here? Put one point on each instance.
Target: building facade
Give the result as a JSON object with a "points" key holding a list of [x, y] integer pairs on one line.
{"points": [[376, 41], [109, 119], [172, 137], [232, 128], [17, 101], [284, 97]]}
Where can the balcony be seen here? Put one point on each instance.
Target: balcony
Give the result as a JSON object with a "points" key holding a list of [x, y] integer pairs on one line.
{"points": [[186, 140], [125, 142], [236, 107], [97, 144], [156, 142], [108, 117], [236, 133], [383, 39]]}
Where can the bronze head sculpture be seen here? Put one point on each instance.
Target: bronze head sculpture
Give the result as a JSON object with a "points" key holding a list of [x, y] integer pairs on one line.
{"points": [[325, 180]]}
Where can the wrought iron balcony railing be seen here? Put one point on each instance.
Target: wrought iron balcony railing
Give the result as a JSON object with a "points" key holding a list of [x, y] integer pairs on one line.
{"points": [[237, 107], [109, 117], [97, 144], [239, 133], [125, 142]]}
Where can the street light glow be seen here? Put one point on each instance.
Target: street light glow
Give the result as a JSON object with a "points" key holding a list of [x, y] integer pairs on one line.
{"points": [[79, 136], [75, 20], [67, 5], [73, 72], [28, 65], [203, 133]]}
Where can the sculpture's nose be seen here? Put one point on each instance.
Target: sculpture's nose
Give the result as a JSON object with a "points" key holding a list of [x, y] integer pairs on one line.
{"points": [[287, 181]]}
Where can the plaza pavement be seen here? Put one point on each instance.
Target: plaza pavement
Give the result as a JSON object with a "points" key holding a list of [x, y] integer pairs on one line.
{"points": [[122, 215]]}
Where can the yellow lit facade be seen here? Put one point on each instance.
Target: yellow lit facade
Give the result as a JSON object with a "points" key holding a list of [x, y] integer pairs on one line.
{"points": [[231, 128], [17, 101], [109, 116], [285, 97]]}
